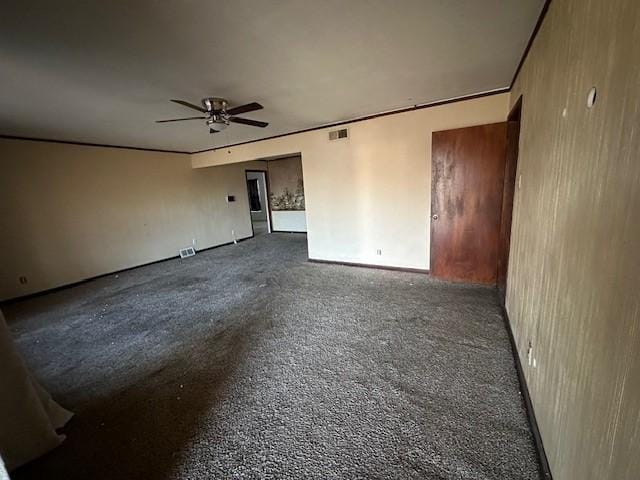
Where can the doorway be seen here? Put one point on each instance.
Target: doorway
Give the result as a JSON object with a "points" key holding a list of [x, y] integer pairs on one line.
{"points": [[286, 194], [258, 192], [468, 168], [510, 168]]}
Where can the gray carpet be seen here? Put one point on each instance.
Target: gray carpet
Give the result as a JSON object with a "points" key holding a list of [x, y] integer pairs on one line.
{"points": [[259, 228], [246, 361]]}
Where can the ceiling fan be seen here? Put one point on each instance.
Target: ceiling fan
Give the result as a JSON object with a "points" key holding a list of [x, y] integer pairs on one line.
{"points": [[218, 115]]}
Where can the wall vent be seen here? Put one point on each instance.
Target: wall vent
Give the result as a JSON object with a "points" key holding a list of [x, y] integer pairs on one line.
{"points": [[338, 134], [187, 252]]}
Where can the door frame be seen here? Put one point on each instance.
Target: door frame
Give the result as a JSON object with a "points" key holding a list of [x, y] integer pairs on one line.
{"points": [[508, 198], [265, 174]]}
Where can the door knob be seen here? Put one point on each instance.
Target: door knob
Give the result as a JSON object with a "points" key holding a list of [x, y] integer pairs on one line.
{"points": [[435, 216]]}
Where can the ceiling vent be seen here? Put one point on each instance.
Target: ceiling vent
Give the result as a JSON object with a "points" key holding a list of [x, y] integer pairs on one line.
{"points": [[187, 252], [338, 134]]}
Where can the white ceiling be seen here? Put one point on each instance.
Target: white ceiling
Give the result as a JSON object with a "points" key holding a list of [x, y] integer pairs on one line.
{"points": [[103, 71]]}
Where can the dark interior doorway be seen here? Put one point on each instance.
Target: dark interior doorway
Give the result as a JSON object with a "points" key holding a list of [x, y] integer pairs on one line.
{"points": [[510, 168], [254, 195], [468, 166], [258, 193]]}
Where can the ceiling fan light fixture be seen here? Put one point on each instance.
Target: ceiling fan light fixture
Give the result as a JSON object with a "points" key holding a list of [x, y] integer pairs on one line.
{"points": [[217, 123]]}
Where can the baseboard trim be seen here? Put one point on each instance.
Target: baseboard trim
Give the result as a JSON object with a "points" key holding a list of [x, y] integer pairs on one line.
{"points": [[370, 265], [286, 231], [115, 272], [524, 388]]}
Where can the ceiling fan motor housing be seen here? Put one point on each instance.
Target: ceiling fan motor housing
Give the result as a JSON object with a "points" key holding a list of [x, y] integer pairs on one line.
{"points": [[215, 104]]}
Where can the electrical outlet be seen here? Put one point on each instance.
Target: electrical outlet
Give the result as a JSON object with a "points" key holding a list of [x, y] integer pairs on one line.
{"points": [[378, 252], [22, 280]]}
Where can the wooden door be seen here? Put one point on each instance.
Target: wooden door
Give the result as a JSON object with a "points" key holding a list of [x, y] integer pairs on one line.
{"points": [[466, 202]]}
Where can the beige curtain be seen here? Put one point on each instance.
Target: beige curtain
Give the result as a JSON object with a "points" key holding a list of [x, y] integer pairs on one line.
{"points": [[28, 415]]}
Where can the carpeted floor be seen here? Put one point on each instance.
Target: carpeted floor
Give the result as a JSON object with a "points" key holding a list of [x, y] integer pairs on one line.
{"points": [[247, 361], [259, 228]]}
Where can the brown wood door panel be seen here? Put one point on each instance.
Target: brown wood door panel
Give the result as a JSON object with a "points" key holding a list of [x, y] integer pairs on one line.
{"points": [[466, 202]]}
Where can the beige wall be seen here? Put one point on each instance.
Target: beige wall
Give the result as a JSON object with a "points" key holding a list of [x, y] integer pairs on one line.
{"points": [[372, 190], [70, 212], [575, 260]]}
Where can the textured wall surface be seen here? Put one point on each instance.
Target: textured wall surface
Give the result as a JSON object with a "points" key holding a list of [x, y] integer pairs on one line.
{"points": [[575, 260], [69, 212]]}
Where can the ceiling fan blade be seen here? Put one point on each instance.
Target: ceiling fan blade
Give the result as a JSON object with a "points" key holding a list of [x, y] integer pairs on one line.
{"points": [[249, 107], [180, 119], [190, 105], [211, 130], [246, 121]]}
